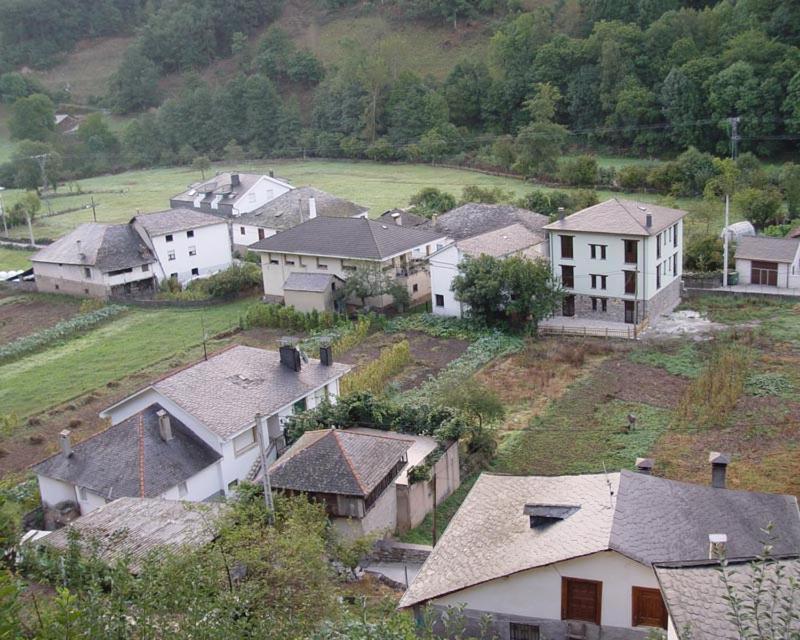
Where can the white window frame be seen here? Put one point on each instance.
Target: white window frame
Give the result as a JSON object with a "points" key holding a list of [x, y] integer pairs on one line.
{"points": [[171, 254], [241, 446]]}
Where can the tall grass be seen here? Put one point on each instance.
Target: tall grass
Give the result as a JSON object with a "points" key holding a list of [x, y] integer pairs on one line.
{"points": [[374, 376]]}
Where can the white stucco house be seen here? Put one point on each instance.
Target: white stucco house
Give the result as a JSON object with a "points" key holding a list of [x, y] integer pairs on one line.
{"points": [[769, 262], [512, 240], [573, 556], [231, 194], [191, 435], [330, 249], [187, 244], [619, 260], [98, 260]]}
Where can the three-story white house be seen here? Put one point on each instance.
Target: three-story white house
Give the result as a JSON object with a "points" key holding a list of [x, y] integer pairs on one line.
{"points": [[619, 260]]}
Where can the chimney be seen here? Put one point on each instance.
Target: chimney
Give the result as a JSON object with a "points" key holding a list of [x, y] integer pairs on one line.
{"points": [[79, 245], [290, 354], [235, 180], [312, 208], [719, 466], [717, 546], [398, 219], [645, 465], [64, 441], [561, 213], [164, 425], [648, 220], [326, 355], [271, 173]]}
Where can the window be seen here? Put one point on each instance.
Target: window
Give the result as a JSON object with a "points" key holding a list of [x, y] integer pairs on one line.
{"points": [[566, 246], [192, 251], [598, 251], [173, 276], [630, 282], [242, 231], [299, 406], [87, 273], [57, 287], [273, 261], [170, 255], [568, 306], [567, 276], [415, 288], [675, 235], [602, 280], [232, 485], [519, 631], [145, 267], [190, 234], [601, 303], [439, 300], [581, 599], [289, 261], [648, 608], [322, 267], [86, 291], [168, 237], [195, 271], [182, 490], [658, 246], [631, 251], [244, 441], [658, 276]]}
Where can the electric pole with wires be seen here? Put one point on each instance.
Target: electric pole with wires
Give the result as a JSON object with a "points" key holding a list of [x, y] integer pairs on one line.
{"points": [[734, 122]]}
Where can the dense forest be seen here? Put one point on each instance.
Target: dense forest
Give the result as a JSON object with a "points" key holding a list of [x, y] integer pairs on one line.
{"points": [[640, 77]]}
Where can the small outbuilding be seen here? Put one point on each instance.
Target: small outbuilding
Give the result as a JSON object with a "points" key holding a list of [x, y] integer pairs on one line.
{"points": [[308, 291], [771, 262]]}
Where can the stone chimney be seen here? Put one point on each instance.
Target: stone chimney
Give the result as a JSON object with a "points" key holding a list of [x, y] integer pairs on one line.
{"points": [[164, 425], [717, 546], [65, 442], [648, 220], [398, 219], [645, 465], [271, 173], [561, 213], [79, 245], [312, 208], [290, 354], [326, 355], [719, 467], [235, 182]]}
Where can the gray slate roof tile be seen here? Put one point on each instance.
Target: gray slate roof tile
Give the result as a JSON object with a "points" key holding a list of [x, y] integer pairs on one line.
{"points": [[473, 219], [355, 238], [109, 463], [316, 282], [338, 461], [767, 249], [620, 217], [160, 223], [292, 208], [501, 242]]}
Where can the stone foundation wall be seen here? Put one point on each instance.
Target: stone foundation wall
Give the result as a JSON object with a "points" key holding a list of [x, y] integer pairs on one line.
{"points": [[548, 628], [665, 300], [48, 284], [391, 551], [615, 309]]}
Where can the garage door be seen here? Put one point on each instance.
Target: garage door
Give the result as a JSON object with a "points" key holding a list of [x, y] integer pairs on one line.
{"points": [[764, 273]]}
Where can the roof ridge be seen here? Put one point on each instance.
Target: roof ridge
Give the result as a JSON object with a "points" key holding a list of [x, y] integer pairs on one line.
{"points": [[141, 455], [349, 462], [625, 209], [377, 435]]}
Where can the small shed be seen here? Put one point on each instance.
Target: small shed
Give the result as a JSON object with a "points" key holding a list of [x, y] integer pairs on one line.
{"points": [[771, 262], [309, 291]]}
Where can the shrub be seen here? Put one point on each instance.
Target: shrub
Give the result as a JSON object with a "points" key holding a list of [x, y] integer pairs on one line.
{"points": [[768, 384], [547, 203], [704, 254], [762, 207], [374, 376], [633, 177], [578, 172], [275, 316], [713, 394], [232, 281]]}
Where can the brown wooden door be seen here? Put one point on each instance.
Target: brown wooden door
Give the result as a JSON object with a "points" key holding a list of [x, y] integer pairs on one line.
{"points": [[630, 311], [260, 234], [568, 306], [764, 273], [580, 599], [648, 608]]}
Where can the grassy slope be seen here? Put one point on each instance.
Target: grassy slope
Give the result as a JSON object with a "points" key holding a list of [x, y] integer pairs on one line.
{"points": [[137, 339], [13, 259]]}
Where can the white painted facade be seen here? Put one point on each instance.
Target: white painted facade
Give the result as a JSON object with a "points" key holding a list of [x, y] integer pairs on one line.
{"points": [[240, 451], [264, 190], [190, 254], [77, 279], [788, 274], [536, 593], [246, 234]]}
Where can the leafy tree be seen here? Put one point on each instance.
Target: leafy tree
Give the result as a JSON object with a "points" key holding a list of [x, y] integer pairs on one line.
{"points": [[485, 195], [142, 144], [466, 91], [790, 183], [704, 254], [472, 398], [762, 207], [539, 144], [580, 171], [134, 85], [548, 203], [372, 282], [14, 85], [413, 108], [28, 170], [380, 151], [32, 118], [201, 164], [431, 201]]}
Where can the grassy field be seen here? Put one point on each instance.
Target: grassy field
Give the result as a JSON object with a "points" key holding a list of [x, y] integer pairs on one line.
{"points": [[377, 186], [13, 259], [135, 340]]}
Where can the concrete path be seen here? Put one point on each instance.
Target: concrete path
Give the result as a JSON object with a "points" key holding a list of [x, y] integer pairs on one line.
{"points": [[396, 572]]}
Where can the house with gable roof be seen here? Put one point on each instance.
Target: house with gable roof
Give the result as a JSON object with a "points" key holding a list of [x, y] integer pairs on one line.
{"points": [[231, 194], [768, 262], [618, 261], [572, 557]]}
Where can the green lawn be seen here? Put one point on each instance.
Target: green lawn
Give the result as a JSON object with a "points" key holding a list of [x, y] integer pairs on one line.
{"points": [[136, 340], [13, 259], [377, 186]]}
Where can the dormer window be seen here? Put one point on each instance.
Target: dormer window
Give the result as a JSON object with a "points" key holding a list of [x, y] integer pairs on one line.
{"points": [[544, 515]]}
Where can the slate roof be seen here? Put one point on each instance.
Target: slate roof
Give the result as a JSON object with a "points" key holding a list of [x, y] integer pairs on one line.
{"points": [[695, 596], [407, 218], [355, 238], [794, 233], [337, 461], [620, 217], [221, 184], [133, 528], [161, 223], [501, 242], [645, 518], [292, 208], [474, 219], [112, 465], [108, 247], [314, 282], [767, 249], [226, 391]]}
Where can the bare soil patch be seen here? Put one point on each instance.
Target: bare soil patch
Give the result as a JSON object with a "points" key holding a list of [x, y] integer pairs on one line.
{"points": [[26, 314]]}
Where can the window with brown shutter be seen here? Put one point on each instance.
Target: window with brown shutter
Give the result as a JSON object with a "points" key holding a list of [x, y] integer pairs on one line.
{"points": [[566, 246], [581, 599], [567, 276], [648, 608]]}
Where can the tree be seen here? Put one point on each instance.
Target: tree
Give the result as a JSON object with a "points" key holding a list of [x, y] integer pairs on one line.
{"points": [[790, 183], [485, 195], [431, 201], [201, 164], [372, 282], [466, 90], [762, 207], [134, 86], [539, 144], [27, 167], [473, 398], [32, 118], [514, 291]]}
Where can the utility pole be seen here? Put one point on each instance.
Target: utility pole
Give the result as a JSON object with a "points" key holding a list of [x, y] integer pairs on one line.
{"points": [[264, 469], [433, 533], [734, 122], [3, 212], [94, 210]]}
